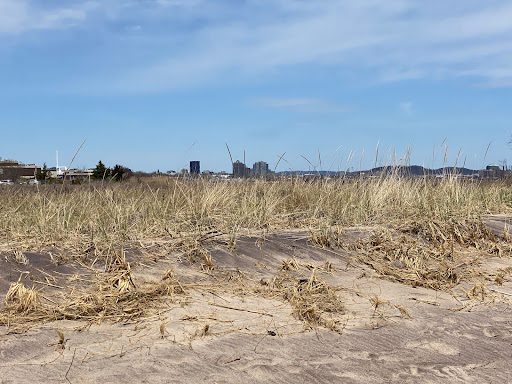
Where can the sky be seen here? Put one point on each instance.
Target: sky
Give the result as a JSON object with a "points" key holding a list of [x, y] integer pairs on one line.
{"points": [[331, 84]]}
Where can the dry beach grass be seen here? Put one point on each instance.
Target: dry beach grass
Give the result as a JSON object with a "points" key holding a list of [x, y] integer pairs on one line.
{"points": [[351, 280], [115, 214], [422, 233]]}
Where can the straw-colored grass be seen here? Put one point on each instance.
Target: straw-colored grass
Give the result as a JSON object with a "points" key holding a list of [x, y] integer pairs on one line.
{"points": [[312, 300], [86, 218], [106, 301], [20, 299], [420, 221], [433, 254]]}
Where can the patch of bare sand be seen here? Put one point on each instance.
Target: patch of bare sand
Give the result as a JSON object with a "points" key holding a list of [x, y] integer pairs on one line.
{"points": [[388, 332]]}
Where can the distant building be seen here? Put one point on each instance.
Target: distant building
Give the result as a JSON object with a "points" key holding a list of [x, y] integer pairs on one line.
{"points": [[70, 174], [58, 172], [222, 175], [260, 169], [79, 174], [195, 168], [13, 170], [240, 169], [493, 167]]}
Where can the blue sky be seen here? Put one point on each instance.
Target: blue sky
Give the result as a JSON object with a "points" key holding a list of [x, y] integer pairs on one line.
{"points": [[153, 84]]}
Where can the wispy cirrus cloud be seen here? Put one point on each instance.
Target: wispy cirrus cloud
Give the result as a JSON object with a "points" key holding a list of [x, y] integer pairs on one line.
{"points": [[191, 43], [18, 16], [12, 16], [407, 107], [307, 105], [276, 102], [505, 83], [396, 40]]}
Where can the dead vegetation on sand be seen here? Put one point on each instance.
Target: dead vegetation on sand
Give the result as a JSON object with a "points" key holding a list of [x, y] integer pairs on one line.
{"points": [[426, 233], [113, 296], [432, 254], [313, 301]]}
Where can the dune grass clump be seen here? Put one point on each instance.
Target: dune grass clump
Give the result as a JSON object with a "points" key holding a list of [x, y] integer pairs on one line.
{"points": [[104, 302], [20, 299], [313, 301], [432, 254], [114, 296]]}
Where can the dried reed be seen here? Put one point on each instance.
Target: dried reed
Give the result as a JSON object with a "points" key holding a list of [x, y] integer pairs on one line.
{"points": [[428, 226], [432, 254]]}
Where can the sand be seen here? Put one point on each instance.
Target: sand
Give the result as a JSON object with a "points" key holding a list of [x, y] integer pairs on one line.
{"points": [[213, 336]]}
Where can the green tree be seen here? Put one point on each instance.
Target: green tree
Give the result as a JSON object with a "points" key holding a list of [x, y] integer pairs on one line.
{"points": [[43, 174], [101, 172], [119, 172]]}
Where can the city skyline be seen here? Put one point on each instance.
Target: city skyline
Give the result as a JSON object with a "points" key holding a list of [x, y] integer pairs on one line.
{"points": [[261, 169]]}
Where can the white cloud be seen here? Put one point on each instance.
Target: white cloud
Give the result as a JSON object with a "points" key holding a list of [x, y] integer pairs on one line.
{"points": [[18, 16], [505, 83], [13, 14], [178, 3], [394, 75], [397, 40], [197, 42], [307, 105], [407, 107], [285, 102], [61, 18]]}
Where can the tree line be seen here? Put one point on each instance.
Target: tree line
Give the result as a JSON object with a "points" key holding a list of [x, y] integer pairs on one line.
{"points": [[100, 172]]}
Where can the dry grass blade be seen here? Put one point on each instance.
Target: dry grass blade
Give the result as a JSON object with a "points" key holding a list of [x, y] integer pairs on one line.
{"points": [[61, 337], [403, 311], [290, 264], [208, 263], [377, 302], [19, 257], [162, 327], [169, 274], [120, 275]]}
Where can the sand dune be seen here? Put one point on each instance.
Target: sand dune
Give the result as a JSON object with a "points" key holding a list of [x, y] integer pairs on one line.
{"points": [[411, 335]]}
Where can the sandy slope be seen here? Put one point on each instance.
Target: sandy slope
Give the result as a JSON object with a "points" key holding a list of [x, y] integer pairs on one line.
{"points": [[216, 337]]}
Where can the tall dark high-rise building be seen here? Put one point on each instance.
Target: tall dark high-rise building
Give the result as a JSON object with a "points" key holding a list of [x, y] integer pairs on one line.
{"points": [[260, 169], [240, 169], [195, 168]]}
